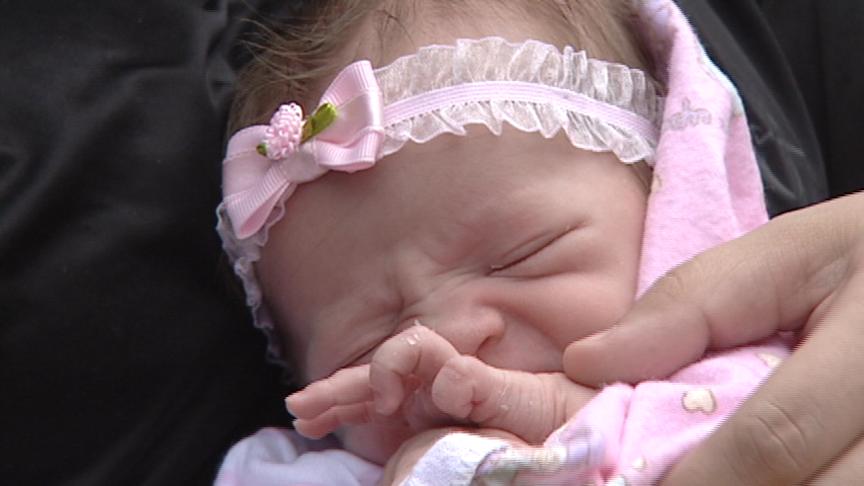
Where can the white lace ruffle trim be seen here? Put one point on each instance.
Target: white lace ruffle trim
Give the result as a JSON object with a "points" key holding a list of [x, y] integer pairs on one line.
{"points": [[494, 59]]}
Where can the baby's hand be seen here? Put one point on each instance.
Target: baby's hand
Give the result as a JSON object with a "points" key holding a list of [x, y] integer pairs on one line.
{"points": [[418, 378], [530, 405], [397, 379], [344, 398]]}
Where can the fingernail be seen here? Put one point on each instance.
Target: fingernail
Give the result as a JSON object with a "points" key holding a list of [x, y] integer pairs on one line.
{"points": [[288, 405], [298, 427]]}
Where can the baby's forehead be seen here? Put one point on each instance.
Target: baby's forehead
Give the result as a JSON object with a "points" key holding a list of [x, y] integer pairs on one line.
{"points": [[453, 191], [452, 177]]}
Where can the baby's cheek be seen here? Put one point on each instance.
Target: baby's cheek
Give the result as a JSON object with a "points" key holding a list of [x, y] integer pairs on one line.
{"points": [[601, 317], [584, 304], [608, 300]]}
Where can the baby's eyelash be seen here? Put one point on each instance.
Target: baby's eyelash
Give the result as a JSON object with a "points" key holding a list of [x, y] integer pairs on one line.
{"points": [[499, 267], [365, 354]]}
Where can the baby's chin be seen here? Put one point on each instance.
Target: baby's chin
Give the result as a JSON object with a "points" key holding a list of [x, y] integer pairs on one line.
{"points": [[375, 443]]}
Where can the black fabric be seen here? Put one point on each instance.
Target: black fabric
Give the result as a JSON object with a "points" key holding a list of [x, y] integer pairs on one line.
{"points": [[821, 39], [741, 42], [803, 88], [124, 359]]}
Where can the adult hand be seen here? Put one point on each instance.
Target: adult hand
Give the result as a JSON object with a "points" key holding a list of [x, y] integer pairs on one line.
{"points": [[801, 272]]}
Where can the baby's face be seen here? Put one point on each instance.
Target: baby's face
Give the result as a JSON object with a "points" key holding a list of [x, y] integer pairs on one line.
{"points": [[510, 247]]}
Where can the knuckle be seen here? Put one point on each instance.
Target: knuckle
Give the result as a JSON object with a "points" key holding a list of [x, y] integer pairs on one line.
{"points": [[417, 332], [325, 387], [773, 440], [452, 373], [342, 374], [390, 345], [383, 366], [407, 343], [424, 339], [463, 365]]}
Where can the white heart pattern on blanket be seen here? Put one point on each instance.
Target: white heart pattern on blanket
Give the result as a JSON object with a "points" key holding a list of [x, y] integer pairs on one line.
{"points": [[699, 400]]}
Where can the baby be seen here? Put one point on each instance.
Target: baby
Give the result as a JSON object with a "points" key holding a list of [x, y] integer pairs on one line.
{"points": [[425, 257]]}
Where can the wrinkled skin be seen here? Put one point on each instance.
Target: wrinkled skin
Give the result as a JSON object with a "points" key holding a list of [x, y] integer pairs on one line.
{"points": [[506, 248], [419, 378]]}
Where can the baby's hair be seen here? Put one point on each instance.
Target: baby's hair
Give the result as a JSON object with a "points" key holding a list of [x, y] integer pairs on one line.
{"points": [[293, 57]]}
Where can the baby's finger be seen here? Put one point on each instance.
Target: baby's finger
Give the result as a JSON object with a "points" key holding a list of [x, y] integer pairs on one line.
{"points": [[332, 419], [527, 404], [467, 388], [345, 387], [418, 353]]}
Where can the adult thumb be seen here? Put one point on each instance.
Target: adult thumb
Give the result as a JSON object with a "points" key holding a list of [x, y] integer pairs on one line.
{"points": [[742, 291]]}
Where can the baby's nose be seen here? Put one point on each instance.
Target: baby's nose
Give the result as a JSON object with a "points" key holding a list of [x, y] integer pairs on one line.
{"points": [[471, 330]]}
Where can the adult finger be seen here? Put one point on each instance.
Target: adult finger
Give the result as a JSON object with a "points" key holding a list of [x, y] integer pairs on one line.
{"points": [[769, 280], [847, 470], [326, 423], [805, 415]]}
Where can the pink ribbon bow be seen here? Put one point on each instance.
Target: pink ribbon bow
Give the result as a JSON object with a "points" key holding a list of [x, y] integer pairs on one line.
{"points": [[253, 184]]}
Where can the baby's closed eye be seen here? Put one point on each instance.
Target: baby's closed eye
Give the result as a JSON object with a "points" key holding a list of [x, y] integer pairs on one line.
{"points": [[378, 334], [536, 258]]}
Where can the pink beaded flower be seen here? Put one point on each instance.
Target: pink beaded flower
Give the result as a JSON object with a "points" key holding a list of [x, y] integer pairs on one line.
{"points": [[285, 132]]}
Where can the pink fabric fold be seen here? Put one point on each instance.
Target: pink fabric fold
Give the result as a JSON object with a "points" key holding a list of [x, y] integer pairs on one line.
{"points": [[707, 188]]}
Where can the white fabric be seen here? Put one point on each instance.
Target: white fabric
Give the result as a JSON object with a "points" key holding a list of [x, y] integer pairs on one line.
{"points": [[279, 457], [493, 59], [453, 460]]}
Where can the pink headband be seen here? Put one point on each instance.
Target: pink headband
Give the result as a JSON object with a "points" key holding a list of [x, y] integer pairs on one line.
{"points": [[531, 86], [254, 184]]}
